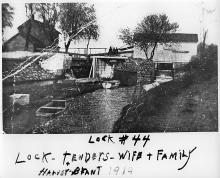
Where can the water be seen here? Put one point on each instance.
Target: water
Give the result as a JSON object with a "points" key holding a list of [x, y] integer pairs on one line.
{"points": [[98, 111], [93, 112], [23, 117]]}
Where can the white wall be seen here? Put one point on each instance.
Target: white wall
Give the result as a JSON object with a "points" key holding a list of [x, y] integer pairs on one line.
{"points": [[55, 62], [161, 54]]}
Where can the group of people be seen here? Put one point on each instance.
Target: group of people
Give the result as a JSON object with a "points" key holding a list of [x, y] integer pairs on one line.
{"points": [[112, 51]]}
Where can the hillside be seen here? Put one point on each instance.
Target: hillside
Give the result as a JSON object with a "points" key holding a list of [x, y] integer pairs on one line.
{"points": [[188, 103]]}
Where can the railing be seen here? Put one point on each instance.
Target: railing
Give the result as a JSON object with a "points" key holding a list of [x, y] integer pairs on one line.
{"points": [[84, 50]]}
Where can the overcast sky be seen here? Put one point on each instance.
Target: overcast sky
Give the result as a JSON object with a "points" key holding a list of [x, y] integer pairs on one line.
{"points": [[116, 14]]}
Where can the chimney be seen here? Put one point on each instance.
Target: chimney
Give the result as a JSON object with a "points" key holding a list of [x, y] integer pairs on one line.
{"points": [[32, 17]]}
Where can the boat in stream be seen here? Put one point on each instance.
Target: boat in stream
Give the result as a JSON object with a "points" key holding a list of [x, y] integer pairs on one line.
{"points": [[110, 84], [52, 108]]}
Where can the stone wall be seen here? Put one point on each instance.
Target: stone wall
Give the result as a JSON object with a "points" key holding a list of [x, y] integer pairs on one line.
{"points": [[145, 73], [31, 73], [144, 69]]}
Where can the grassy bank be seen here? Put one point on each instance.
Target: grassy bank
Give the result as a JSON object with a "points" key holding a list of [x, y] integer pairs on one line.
{"points": [[188, 103]]}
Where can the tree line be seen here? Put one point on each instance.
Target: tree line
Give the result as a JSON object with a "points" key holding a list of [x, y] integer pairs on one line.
{"points": [[70, 17]]}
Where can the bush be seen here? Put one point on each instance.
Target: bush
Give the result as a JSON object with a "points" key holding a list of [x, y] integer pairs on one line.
{"points": [[204, 64]]}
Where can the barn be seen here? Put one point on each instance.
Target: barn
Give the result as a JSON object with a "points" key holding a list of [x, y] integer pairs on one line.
{"points": [[32, 36], [167, 58], [183, 46]]}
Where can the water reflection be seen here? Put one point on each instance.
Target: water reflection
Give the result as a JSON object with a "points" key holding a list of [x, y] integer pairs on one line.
{"points": [[99, 110], [93, 112]]}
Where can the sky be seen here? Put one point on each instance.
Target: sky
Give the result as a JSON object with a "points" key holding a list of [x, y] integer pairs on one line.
{"points": [[117, 14]]}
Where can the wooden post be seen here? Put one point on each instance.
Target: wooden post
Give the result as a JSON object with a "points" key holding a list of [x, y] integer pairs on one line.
{"points": [[90, 72], [94, 66]]}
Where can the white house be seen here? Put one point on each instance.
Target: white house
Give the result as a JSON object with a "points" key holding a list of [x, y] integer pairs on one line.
{"points": [[183, 47]]}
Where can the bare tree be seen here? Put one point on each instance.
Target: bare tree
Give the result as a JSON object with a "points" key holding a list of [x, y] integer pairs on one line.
{"points": [[92, 32], [48, 13], [152, 30], [74, 16], [29, 14]]}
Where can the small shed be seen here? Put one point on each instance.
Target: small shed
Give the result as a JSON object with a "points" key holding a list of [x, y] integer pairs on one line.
{"points": [[103, 66]]}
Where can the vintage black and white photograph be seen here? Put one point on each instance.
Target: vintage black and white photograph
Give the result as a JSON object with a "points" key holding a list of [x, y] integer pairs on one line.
{"points": [[109, 67]]}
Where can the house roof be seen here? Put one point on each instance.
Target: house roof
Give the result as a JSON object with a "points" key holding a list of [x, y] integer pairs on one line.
{"points": [[183, 37], [35, 21], [10, 39], [33, 40], [174, 37]]}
